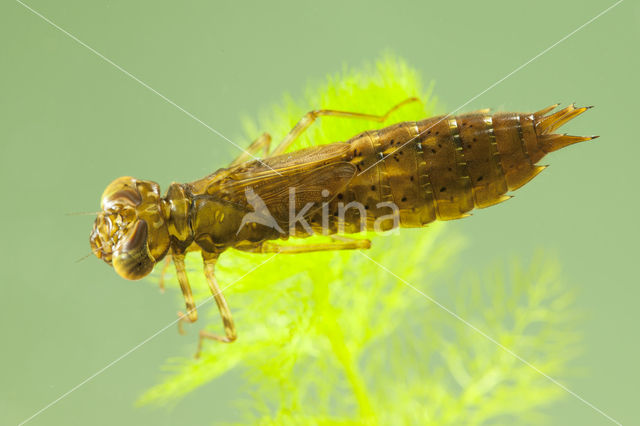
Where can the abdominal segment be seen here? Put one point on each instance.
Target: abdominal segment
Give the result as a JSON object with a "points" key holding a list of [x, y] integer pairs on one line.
{"points": [[413, 173]]}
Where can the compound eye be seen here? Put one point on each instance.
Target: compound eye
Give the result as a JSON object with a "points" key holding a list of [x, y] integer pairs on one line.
{"points": [[131, 258], [121, 192]]}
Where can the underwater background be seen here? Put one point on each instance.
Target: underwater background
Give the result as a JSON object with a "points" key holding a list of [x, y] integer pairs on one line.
{"points": [[550, 274]]}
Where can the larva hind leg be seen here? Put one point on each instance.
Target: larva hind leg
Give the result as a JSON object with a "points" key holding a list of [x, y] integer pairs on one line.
{"points": [[339, 243], [227, 320], [263, 142], [307, 120]]}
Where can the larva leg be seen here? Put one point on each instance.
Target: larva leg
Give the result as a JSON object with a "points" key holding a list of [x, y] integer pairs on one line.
{"points": [[163, 272], [344, 243], [192, 314], [227, 320], [264, 142], [308, 119]]}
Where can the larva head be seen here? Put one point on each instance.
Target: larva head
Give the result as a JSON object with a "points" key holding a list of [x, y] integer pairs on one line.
{"points": [[131, 232]]}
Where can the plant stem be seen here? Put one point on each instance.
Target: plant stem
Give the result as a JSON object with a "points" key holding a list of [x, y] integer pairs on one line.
{"points": [[352, 372], [333, 331]]}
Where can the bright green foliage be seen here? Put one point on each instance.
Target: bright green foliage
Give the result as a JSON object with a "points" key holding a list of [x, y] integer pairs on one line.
{"points": [[373, 90], [331, 338]]}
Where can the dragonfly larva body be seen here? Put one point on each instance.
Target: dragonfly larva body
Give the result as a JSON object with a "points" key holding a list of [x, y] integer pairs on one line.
{"points": [[406, 175], [443, 167]]}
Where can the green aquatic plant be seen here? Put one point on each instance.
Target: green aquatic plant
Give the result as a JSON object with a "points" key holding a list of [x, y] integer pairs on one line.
{"points": [[333, 338]]}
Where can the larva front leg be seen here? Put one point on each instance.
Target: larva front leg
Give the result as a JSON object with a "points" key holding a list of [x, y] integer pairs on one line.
{"points": [[192, 314]]}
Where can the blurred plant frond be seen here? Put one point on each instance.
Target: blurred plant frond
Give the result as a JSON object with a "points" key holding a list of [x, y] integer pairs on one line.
{"points": [[331, 338], [372, 89]]}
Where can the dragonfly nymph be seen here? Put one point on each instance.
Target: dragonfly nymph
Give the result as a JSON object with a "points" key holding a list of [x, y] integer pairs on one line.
{"points": [[407, 175]]}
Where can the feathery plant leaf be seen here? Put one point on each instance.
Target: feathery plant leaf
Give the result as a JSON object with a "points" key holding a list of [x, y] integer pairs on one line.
{"points": [[330, 338]]}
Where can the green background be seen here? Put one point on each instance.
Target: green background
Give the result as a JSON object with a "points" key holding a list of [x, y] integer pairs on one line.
{"points": [[70, 123]]}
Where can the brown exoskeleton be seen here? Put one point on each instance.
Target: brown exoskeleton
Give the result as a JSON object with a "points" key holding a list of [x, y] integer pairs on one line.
{"points": [[438, 168]]}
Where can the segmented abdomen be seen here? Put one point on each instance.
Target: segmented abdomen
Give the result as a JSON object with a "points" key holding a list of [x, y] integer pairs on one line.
{"points": [[443, 167]]}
